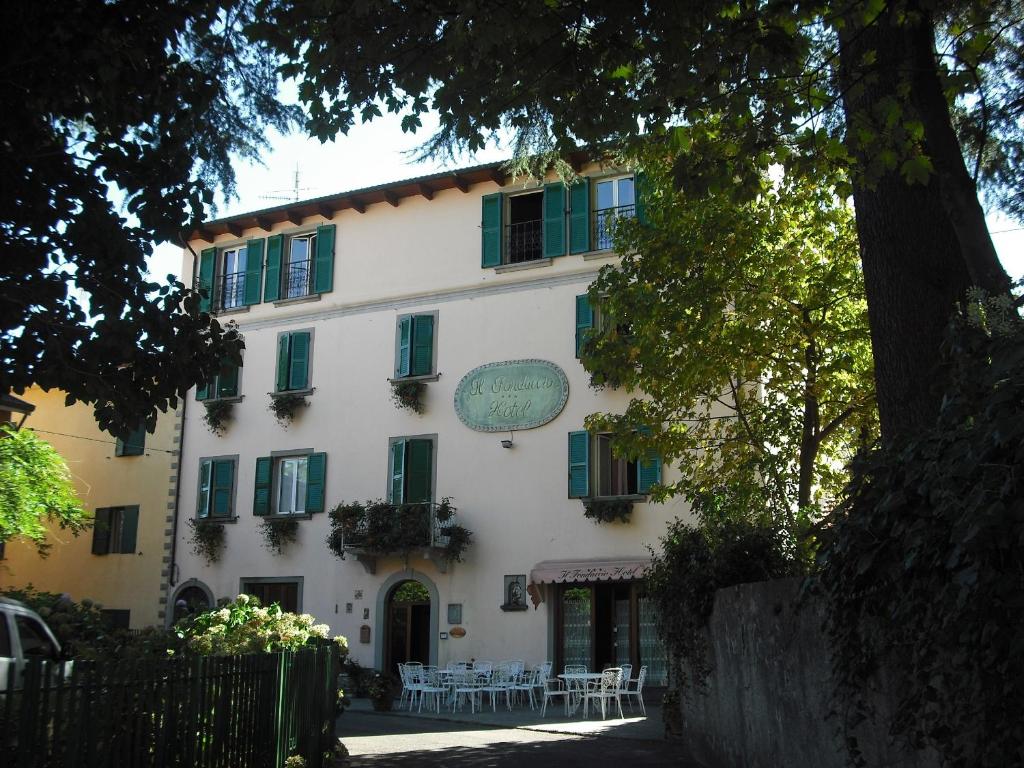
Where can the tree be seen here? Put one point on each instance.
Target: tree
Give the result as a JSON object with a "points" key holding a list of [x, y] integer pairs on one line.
{"points": [[133, 101], [744, 328], [35, 489], [736, 87]]}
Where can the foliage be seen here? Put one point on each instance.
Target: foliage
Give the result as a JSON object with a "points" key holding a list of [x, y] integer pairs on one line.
{"points": [[244, 626], [765, 381], [35, 489], [207, 538], [726, 548], [728, 91], [119, 126], [923, 566], [608, 510], [377, 526], [382, 687], [84, 633], [278, 532], [218, 414], [408, 394], [286, 406], [358, 674]]}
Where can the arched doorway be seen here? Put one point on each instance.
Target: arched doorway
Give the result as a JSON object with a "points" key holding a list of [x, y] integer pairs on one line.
{"points": [[407, 625], [191, 598]]}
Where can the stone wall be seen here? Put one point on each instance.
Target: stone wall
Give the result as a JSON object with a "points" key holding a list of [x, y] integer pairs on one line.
{"points": [[768, 695]]}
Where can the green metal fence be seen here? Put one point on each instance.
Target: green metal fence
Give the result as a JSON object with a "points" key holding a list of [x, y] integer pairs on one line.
{"points": [[250, 711]]}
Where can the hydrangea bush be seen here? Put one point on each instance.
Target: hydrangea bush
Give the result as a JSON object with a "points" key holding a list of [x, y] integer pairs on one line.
{"points": [[244, 626]]}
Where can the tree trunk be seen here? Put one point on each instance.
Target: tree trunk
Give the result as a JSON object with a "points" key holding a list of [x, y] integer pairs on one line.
{"points": [[914, 268], [811, 418]]}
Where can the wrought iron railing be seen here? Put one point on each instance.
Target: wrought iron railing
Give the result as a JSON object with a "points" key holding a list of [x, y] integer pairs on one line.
{"points": [[604, 224], [385, 528], [298, 279], [230, 290], [524, 241]]}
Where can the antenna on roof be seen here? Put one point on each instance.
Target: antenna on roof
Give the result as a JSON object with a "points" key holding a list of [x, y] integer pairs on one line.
{"points": [[287, 195]]}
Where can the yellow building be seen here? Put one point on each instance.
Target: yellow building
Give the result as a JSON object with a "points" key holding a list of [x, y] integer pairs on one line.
{"points": [[130, 486]]}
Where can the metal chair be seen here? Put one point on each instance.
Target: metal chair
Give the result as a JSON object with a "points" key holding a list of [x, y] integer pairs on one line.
{"points": [[607, 689], [553, 688], [627, 691]]}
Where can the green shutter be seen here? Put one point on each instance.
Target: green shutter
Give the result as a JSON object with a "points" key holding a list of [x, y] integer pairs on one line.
{"points": [[207, 266], [648, 472], [554, 219], [118, 446], [579, 217], [129, 529], [272, 283], [227, 380], [398, 472], [135, 445], [403, 354], [205, 489], [220, 490], [418, 471], [283, 356], [253, 271], [490, 230], [584, 321], [323, 271], [298, 368], [203, 392], [261, 488], [316, 479], [101, 532], [422, 345], [579, 464], [641, 190]]}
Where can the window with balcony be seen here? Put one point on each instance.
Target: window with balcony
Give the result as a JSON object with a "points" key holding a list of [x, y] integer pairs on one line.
{"points": [[524, 232], [300, 265], [231, 278], [614, 199]]}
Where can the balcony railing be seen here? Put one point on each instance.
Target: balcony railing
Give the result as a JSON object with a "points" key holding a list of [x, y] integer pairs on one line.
{"points": [[604, 224], [524, 241], [230, 290], [298, 279], [385, 529]]}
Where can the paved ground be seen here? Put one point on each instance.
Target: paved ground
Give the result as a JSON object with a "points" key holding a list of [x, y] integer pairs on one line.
{"points": [[383, 740]]}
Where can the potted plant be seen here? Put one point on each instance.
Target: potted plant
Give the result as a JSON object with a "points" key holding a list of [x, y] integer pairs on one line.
{"points": [[207, 539], [286, 405], [278, 533], [382, 690], [608, 510], [408, 394], [218, 414]]}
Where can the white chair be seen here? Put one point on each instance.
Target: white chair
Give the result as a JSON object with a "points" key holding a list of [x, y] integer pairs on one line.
{"points": [[431, 686], [553, 688], [501, 682], [414, 681], [607, 689], [543, 671], [465, 684], [628, 691], [575, 687], [627, 673], [525, 682]]}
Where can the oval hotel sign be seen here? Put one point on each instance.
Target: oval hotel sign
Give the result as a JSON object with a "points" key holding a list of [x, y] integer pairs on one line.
{"points": [[518, 394]]}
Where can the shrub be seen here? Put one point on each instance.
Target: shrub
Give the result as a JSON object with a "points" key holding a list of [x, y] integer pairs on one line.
{"points": [[207, 538]]}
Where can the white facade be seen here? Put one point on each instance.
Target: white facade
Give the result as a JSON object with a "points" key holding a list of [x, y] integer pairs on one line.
{"points": [[420, 256]]}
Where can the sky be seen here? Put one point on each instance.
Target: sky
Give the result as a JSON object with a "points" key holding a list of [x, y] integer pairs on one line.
{"points": [[377, 153]]}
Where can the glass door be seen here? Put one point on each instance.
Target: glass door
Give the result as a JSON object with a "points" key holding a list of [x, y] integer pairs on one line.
{"points": [[577, 609]]}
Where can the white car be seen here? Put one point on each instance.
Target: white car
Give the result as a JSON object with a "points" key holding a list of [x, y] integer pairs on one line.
{"points": [[23, 636]]}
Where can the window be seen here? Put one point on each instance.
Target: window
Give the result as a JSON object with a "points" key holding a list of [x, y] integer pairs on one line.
{"points": [[594, 319], [114, 530], [300, 265], [224, 384], [595, 470], [35, 642], [523, 227], [411, 470], [134, 445], [613, 199], [216, 488], [285, 592], [414, 348], [291, 484], [115, 618], [293, 360], [231, 277]]}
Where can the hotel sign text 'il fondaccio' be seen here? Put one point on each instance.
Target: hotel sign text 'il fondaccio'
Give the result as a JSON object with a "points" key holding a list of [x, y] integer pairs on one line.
{"points": [[517, 394]]}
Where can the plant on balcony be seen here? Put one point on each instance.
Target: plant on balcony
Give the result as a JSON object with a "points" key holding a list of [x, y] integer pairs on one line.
{"points": [[608, 510], [218, 414], [286, 405], [278, 532], [408, 394], [377, 526], [207, 539]]}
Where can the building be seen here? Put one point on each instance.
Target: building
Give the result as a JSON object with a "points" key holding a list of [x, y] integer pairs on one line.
{"points": [[465, 290], [129, 486]]}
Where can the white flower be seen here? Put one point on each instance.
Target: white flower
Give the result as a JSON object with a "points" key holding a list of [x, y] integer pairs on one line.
{"points": [[243, 599]]}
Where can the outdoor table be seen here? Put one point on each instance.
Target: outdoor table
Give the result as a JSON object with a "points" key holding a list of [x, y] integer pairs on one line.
{"points": [[577, 683]]}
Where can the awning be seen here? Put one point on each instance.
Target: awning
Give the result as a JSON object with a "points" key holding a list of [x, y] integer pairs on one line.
{"points": [[561, 571]]}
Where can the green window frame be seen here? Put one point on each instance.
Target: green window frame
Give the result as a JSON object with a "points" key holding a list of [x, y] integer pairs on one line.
{"points": [[287, 278], [133, 445], [115, 530], [414, 345], [216, 492], [223, 385], [268, 486], [590, 455], [294, 350], [411, 469]]}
